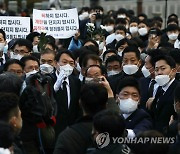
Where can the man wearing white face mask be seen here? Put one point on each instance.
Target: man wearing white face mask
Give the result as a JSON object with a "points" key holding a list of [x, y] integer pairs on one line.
{"points": [[120, 33], [143, 29], [172, 32], [3, 56], [131, 62], [162, 106], [137, 120], [148, 84], [47, 61], [67, 88]]}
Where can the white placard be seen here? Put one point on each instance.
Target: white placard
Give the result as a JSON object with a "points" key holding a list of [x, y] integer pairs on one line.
{"points": [[57, 23], [15, 27]]}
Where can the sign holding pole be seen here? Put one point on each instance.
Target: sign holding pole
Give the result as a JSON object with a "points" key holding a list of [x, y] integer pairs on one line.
{"points": [[57, 23]]}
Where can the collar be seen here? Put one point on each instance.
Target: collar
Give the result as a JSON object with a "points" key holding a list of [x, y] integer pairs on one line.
{"points": [[165, 88], [3, 57], [126, 115], [81, 77]]}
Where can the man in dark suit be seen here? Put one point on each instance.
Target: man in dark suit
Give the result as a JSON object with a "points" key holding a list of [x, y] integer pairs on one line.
{"points": [[67, 88], [3, 56], [148, 84], [162, 105], [137, 120]]}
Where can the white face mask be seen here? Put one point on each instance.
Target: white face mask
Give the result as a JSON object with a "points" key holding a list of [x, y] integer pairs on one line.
{"points": [[2, 46], [128, 106], [110, 73], [119, 37], [177, 44], [78, 67], [142, 31], [5, 49], [133, 30], [120, 53], [173, 36], [101, 46], [31, 73], [145, 72], [121, 16], [15, 56], [89, 80], [162, 79], [35, 48], [83, 16], [130, 69], [68, 69], [109, 28], [46, 69]]}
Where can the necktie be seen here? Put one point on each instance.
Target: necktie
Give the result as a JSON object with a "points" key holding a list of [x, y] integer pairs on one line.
{"points": [[159, 93], [151, 88], [1, 61], [65, 93]]}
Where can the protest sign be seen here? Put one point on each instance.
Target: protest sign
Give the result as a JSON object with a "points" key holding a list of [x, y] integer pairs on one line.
{"points": [[57, 23], [15, 27]]}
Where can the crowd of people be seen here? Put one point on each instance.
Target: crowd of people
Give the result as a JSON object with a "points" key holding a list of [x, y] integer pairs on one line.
{"points": [[118, 75]]}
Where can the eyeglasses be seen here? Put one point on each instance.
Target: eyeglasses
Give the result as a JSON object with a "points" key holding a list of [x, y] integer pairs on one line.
{"points": [[21, 52]]}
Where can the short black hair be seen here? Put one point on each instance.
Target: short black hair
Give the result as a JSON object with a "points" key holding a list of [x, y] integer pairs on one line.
{"points": [[32, 35], [142, 15], [122, 11], [145, 21], [158, 18], [10, 83], [109, 121], [153, 53], [12, 61], [6, 135], [3, 33], [24, 42], [27, 58], [121, 42], [90, 56], [93, 97], [8, 106], [168, 59], [172, 27], [128, 82], [92, 41], [177, 94], [175, 54], [132, 49], [109, 51], [69, 53], [123, 28], [114, 58], [173, 20], [108, 21], [120, 21], [172, 16]]}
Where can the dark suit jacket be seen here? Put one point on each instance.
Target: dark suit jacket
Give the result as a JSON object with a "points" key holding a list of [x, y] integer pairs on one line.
{"points": [[163, 110], [144, 86], [67, 116], [139, 121], [2, 66]]}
